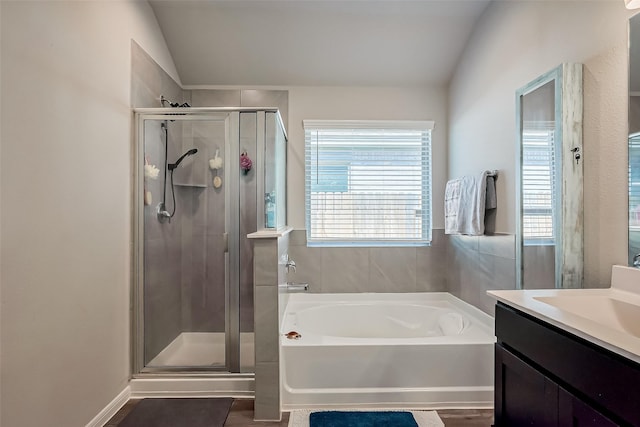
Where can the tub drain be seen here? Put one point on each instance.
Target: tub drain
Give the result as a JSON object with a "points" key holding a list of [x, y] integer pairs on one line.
{"points": [[293, 335]]}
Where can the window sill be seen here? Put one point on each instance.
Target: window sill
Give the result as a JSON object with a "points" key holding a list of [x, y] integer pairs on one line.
{"points": [[382, 244]]}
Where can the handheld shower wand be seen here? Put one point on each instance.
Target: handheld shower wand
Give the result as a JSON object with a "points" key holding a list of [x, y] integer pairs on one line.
{"points": [[162, 212], [172, 166]]}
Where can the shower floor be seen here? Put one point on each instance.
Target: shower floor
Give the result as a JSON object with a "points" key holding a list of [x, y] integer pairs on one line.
{"points": [[204, 349]]}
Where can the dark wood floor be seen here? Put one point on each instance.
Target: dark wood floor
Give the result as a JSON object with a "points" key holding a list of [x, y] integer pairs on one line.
{"points": [[241, 415]]}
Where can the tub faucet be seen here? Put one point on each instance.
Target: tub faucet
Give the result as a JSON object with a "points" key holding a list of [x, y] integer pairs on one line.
{"points": [[292, 287], [636, 261], [290, 265]]}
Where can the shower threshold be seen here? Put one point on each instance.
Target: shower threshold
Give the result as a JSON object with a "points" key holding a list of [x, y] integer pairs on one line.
{"points": [[203, 349]]}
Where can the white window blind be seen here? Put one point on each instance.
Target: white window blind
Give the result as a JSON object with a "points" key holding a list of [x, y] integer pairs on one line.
{"points": [[538, 182], [634, 181], [368, 183]]}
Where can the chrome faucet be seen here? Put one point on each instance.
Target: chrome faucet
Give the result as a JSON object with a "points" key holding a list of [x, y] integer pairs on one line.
{"points": [[290, 265], [292, 287], [636, 261]]}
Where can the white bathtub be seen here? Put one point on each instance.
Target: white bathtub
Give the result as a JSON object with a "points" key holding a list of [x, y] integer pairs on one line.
{"points": [[426, 350]]}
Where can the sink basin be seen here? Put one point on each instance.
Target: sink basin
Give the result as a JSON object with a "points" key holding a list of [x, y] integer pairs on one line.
{"points": [[607, 311]]}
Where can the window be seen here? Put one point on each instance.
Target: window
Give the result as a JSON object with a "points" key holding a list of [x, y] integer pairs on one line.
{"points": [[538, 182], [634, 182], [368, 183]]}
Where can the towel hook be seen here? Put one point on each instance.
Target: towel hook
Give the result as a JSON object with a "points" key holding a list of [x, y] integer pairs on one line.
{"points": [[576, 154]]}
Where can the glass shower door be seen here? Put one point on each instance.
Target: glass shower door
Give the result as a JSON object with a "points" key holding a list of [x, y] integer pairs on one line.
{"points": [[188, 236]]}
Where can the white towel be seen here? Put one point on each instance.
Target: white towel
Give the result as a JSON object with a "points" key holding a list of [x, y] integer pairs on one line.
{"points": [[465, 202]]}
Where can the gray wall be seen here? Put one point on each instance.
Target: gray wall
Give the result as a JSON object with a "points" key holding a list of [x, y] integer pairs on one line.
{"points": [[506, 51], [330, 270], [466, 266], [66, 149]]}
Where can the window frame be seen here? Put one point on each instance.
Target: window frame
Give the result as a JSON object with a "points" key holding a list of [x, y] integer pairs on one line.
{"points": [[426, 186], [535, 130]]}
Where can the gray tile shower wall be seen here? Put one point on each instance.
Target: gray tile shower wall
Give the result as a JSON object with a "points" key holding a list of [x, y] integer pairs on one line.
{"points": [[203, 283], [479, 263], [243, 98], [248, 195], [187, 292], [335, 269], [163, 314], [149, 81]]}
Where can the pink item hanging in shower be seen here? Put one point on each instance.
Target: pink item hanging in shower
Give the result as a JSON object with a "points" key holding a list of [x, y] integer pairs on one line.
{"points": [[245, 162]]}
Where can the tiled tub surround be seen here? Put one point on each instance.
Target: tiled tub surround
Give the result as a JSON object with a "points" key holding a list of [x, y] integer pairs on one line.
{"points": [[383, 269], [476, 264], [466, 266], [269, 272]]}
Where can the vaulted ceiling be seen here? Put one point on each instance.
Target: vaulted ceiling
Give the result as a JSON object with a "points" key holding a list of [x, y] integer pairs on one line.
{"points": [[316, 42]]}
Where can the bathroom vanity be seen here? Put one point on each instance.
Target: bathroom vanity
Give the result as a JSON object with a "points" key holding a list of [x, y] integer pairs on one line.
{"points": [[569, 357]]}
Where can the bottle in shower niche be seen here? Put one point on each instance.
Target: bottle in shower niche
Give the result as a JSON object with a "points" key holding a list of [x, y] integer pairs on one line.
{"points": [[270, 210]]}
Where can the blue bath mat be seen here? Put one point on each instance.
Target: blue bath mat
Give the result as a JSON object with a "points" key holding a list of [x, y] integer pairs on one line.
{"points": [[361, 419]]}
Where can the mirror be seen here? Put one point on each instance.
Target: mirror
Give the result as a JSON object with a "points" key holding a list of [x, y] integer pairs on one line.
{"points": [[634, 141], [549, 212]]}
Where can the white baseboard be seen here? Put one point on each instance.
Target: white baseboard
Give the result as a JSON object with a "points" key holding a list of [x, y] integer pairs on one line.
{"points": [[111, 409], [242, 387]]}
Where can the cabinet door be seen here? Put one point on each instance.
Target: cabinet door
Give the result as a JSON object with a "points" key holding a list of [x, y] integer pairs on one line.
{"points": [[576, 413], [523, 396]]}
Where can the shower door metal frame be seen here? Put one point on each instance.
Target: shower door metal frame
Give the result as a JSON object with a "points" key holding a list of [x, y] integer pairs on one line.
{"points": [[232, 213], [232, 253]]}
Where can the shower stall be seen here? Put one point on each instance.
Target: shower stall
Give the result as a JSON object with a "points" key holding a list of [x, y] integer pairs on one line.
{"points": [[205, 179]]}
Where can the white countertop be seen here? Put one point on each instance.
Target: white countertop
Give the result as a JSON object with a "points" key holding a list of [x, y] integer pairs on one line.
{"points": [[625, 287], [270, 233]]}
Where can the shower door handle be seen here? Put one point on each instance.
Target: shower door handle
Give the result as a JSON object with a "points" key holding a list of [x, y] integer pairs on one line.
{"points": [[225, 242]]}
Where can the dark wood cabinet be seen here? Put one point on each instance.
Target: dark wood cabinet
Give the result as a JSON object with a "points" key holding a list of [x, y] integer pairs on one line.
{"points": [[526, 397], [576, 413], [529, 398], [545, 376]]}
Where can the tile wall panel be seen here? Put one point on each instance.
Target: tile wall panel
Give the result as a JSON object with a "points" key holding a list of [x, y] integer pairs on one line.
{"points": [[215, 98], [392, 270], [399, 269], [466, 266], [480, 263], [432, 266], [162, 255], [268, 274], [243, 98]]}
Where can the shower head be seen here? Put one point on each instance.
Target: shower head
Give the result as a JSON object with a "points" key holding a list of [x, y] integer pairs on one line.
{"points": [[164, 100], [172, 166]]}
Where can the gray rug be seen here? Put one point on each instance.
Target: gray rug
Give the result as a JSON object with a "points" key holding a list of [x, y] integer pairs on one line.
{"points": [[178, 413]]}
